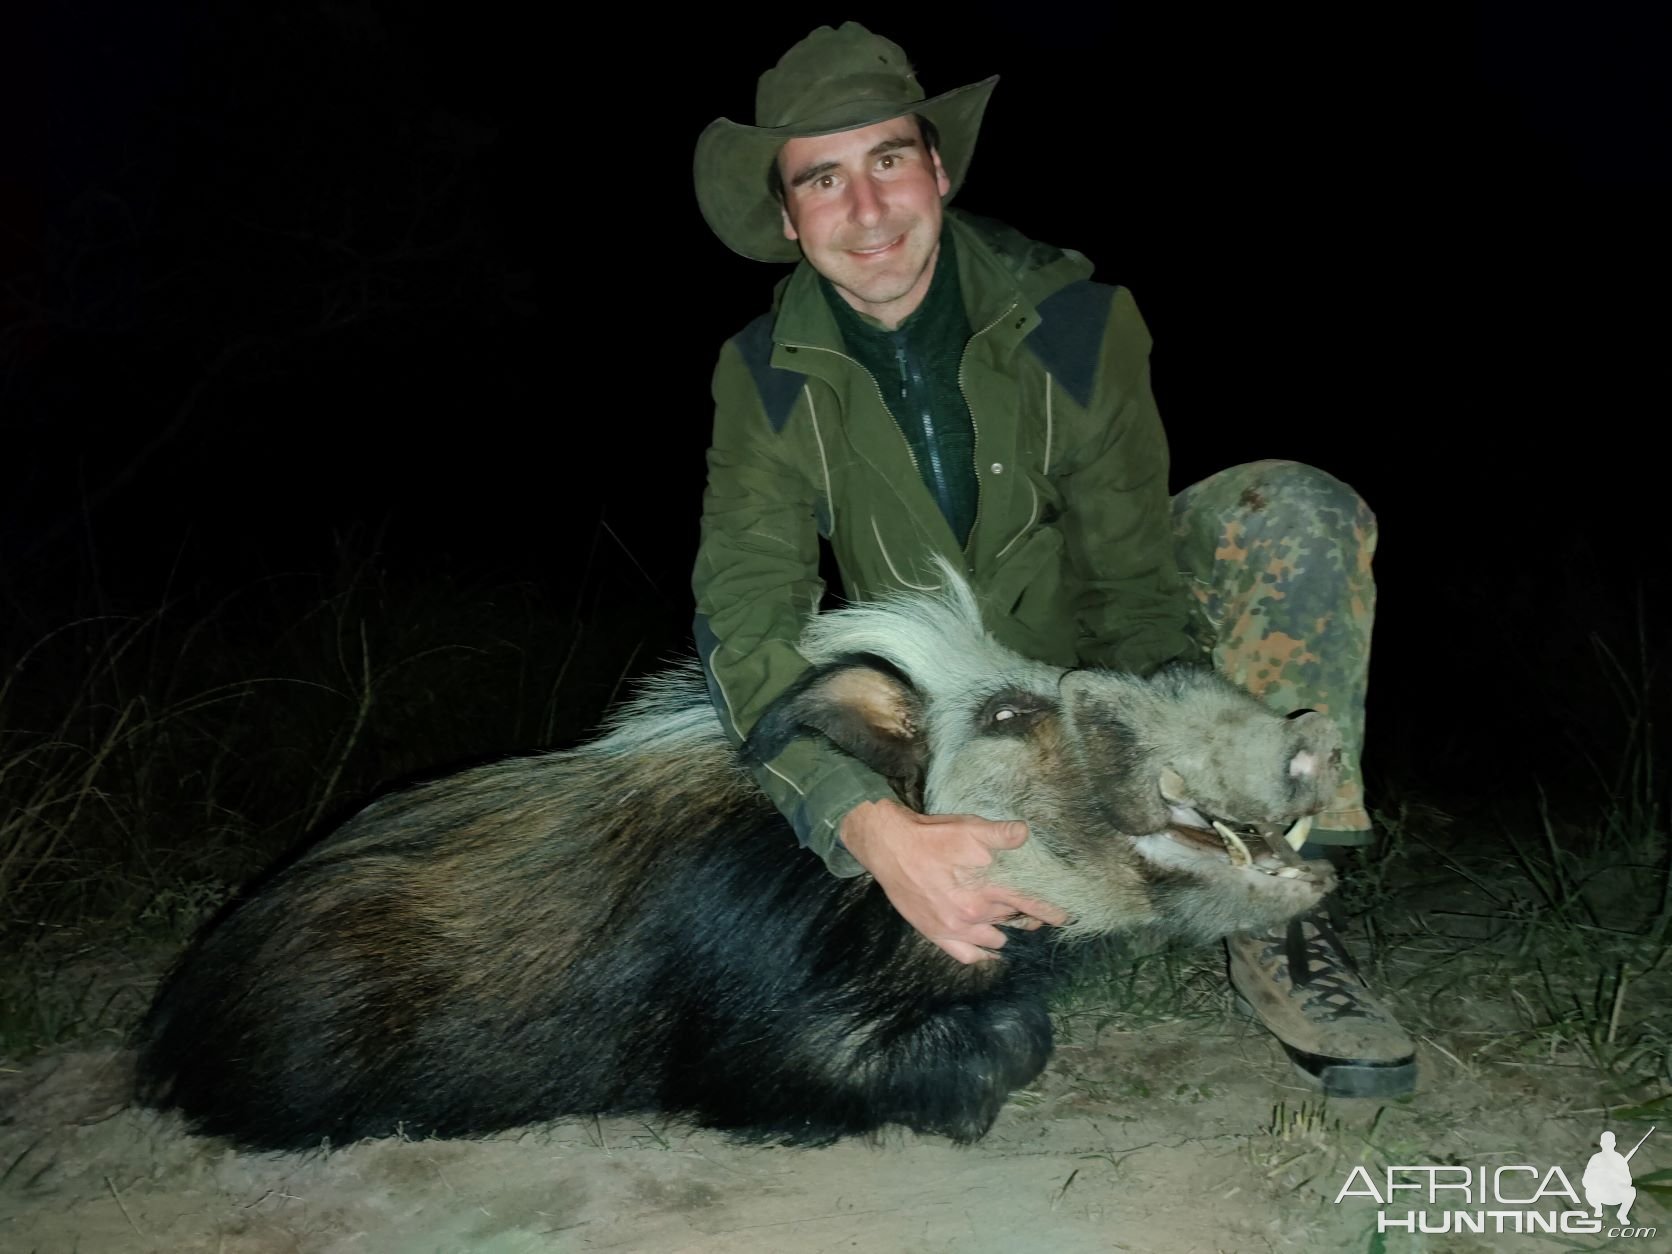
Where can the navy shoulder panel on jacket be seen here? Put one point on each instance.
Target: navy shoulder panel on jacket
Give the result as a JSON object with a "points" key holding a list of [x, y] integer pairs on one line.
{"points": [[1069, 336], [777, 388]]}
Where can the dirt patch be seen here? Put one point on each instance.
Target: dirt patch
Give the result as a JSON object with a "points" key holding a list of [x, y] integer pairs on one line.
{"points": [[1189, 1135]]}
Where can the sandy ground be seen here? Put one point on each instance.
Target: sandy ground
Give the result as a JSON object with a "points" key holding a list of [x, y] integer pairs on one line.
{"points": [[1192, 1135]]}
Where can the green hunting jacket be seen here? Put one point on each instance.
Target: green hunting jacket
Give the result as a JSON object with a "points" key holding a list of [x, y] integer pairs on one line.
{"points": [[1071, 553]]}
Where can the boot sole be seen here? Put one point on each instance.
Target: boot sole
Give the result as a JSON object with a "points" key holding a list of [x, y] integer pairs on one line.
{"points": [[1345, 1077]]}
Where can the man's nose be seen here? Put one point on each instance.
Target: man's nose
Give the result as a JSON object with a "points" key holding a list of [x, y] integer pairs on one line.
{"points": [[867, 201]]}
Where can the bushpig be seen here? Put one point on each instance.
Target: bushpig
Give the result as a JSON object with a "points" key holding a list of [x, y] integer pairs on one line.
{"points": [[631, 927]]}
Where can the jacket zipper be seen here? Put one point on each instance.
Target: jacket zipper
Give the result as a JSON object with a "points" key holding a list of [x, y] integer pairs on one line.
{"points": [[937, 468]]}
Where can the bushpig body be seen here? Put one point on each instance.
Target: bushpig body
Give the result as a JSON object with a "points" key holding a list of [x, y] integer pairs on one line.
{"points": [[631, 927]]}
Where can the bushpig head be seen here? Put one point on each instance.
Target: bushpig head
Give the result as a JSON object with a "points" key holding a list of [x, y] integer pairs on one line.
{"points": [[1176, 802]]}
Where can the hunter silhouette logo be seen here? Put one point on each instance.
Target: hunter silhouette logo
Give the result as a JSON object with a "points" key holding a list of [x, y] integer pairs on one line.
{"points": [[1607, 1177], [1506, 1199]]}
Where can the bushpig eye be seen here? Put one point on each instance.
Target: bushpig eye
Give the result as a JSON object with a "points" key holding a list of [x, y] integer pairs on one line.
{"points": [[1012, 711], [1294, 714]]}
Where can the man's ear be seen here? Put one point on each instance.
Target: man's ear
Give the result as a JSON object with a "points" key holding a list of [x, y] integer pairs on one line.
{"points": [[789, 227]]}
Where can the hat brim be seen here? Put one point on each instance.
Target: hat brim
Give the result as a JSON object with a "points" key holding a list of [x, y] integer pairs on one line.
{"points": [[733, 160]]}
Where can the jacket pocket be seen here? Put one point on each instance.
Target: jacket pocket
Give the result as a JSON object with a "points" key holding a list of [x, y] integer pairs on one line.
{"points": [[1037, 558]]}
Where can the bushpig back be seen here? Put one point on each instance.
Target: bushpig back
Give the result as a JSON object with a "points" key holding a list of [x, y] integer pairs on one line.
{"points": [[428, 962], [633, 931]]}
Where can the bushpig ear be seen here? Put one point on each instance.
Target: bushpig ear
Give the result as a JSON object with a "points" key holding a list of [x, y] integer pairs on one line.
{"points": [[864, 707]]}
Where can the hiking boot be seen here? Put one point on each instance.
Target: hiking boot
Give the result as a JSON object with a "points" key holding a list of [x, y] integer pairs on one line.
{"points": [[1300, 982]]}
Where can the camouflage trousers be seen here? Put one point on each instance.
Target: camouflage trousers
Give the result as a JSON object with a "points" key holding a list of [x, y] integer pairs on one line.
{"points": [[1276, 555]]}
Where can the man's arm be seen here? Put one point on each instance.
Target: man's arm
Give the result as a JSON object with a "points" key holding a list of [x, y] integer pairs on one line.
{"points": [[756, 583]]}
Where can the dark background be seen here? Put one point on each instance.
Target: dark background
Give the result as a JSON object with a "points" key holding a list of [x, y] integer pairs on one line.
{"points": [[431, 281]]}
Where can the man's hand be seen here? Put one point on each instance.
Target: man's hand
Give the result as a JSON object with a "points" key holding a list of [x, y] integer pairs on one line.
{"points": [[933, 867]]}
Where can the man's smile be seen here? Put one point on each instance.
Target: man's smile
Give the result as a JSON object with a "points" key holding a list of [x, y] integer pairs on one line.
{"points": [[879, 251]]}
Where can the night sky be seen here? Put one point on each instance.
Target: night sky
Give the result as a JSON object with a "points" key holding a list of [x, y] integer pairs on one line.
{"points": [[436, 273]]}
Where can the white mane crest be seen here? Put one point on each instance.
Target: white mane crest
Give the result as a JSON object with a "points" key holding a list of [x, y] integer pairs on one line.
{"points": [[936, 638], [667, 707]]}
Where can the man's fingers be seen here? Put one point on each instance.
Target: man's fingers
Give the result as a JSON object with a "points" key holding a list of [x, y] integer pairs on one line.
{"points": [[982, 935], [1006, 835], [933, 869], [1041, 910], [968, 954]]}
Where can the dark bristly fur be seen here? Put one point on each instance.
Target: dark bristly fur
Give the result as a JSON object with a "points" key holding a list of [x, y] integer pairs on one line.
{"points": [[630, 927]]}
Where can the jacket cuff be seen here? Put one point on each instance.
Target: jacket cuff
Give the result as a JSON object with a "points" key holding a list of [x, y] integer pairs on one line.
{"points": [[817, 817]]}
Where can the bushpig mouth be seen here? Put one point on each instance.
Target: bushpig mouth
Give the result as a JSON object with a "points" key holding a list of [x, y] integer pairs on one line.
{"points": [[1267, 848]]}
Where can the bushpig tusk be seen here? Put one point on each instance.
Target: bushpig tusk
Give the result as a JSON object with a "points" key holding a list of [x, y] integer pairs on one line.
{"points": [[1172, 786], [1239, 851], [1296, 835]]}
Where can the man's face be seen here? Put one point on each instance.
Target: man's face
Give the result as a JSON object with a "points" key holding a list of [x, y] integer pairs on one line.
{"points": [[866, 207]]}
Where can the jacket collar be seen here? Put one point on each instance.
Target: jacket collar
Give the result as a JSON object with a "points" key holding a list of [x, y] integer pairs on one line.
{"points": [[1002, 274], [939, 323]]}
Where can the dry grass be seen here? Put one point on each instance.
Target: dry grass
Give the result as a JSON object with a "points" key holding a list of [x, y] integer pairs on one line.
{"points": [[151, 763]]}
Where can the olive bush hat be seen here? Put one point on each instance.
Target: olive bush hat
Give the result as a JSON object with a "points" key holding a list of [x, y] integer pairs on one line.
{"points": [[833, 80]]}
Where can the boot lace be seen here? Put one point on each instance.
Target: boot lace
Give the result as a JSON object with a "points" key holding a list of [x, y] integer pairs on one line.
{"points": [[1320, 963]]}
